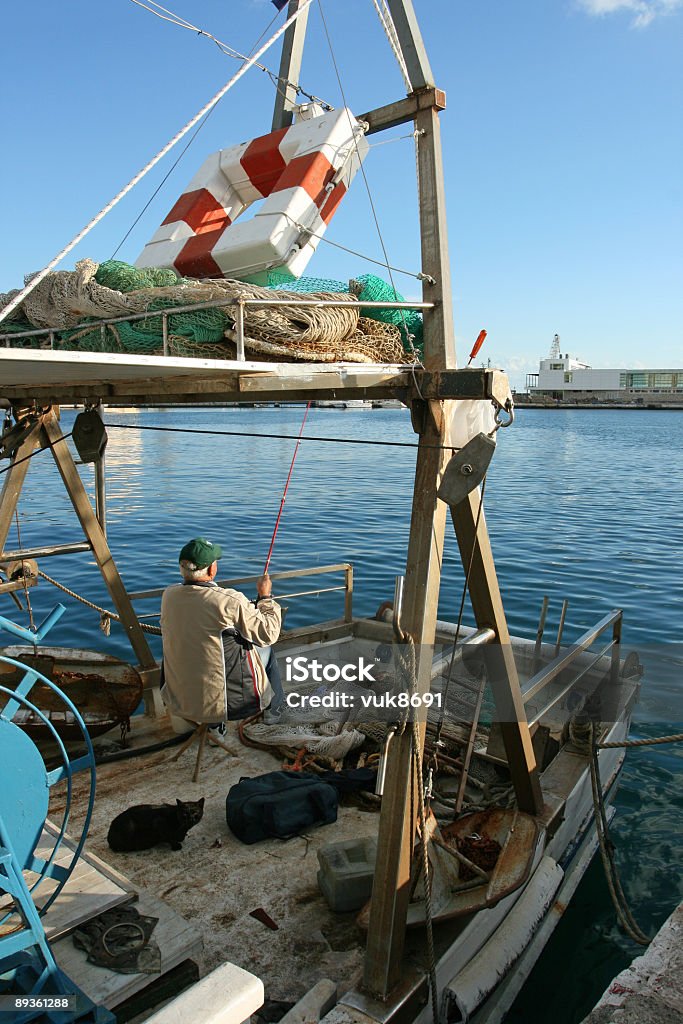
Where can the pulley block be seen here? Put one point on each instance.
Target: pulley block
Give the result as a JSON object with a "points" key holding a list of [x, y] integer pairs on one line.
{"points": [[13, 438], [467, 469], [89, 435]]}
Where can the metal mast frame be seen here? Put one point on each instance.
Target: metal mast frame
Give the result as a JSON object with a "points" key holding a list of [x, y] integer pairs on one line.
{"points": [[431, 418], [430, 393]]}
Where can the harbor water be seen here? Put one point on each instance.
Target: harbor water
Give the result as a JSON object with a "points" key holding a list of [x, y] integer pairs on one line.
{"points": [[581, 504]]}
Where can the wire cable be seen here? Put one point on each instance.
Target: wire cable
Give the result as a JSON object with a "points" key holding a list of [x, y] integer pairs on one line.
{"points": [[226, 49], [36, 452], [280, 437]]}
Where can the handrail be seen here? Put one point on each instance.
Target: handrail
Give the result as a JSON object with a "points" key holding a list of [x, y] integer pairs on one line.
{"points": [[612, 645], [562, 661], [288, 574], [214, 304]]}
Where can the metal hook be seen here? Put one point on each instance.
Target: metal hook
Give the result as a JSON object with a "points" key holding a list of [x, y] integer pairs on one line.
{"points": [[510, 410]]}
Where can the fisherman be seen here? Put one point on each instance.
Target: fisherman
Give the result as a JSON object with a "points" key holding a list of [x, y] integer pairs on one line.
{"points": [[218, 663]]}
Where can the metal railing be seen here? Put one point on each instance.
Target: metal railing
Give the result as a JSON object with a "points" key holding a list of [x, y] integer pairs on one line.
{"points": [[318, 570], [560, 662], [238, 304]]}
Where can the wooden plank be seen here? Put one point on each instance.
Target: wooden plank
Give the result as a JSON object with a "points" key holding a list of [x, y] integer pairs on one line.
{"points": [[393, 114], [94, 534], [439, 333], [323, 382], [86, 894], [488, 611], [13, 483], [391, 888], [177, 940]]}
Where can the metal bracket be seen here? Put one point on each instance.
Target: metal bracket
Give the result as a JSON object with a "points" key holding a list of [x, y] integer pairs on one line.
{"points": [[402, 1005]]}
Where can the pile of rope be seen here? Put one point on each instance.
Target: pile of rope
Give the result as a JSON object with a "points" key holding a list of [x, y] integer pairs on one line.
{"points": [[63, 300]]}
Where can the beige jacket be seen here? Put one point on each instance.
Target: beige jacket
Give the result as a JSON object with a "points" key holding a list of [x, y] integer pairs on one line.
{"points": [[193, 617]]}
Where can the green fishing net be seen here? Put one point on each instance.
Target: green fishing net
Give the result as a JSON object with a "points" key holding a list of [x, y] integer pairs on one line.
{"points": [[188, 331]]}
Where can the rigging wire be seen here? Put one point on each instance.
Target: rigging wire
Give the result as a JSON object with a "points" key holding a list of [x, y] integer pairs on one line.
{"points": [[161, 184], [278, 437], [47, 447], [225, 48], [35, 281], [419, 276]]}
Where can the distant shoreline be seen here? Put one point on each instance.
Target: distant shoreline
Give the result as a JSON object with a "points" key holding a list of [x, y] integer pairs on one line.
{"points": [[650, 407]]}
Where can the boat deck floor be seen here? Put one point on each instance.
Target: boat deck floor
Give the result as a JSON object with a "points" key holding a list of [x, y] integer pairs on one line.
{"points": [[215, 881]]}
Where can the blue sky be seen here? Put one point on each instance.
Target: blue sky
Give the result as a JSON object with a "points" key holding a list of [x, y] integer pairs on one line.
{"points": [[563, 144]]}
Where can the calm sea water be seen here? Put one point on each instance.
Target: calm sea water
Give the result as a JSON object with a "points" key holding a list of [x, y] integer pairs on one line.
{"points": [[586, 505]]}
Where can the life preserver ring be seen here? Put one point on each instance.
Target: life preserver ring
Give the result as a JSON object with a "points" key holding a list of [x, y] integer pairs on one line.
{"points": [[303, 172]]}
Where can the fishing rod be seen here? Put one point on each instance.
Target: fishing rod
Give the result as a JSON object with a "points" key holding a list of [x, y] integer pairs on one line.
{"points": [[284, 493]]}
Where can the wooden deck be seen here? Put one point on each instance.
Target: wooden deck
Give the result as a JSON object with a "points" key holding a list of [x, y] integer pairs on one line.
{"points": [[94, 887]]}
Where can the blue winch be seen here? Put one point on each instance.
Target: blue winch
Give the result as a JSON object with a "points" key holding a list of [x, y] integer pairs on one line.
{"points": [[31, 983]]}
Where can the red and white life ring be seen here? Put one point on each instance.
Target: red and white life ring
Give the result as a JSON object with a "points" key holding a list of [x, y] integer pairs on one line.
{"points": [[303, 172]]}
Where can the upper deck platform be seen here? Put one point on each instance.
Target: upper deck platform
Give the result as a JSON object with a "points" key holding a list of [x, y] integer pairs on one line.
{"points": [[54, 377]]}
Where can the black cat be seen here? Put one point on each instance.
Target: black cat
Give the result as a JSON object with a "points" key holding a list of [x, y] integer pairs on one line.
{"points": [[146, 825]]}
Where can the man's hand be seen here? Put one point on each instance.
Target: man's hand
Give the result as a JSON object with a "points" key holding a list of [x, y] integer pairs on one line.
{"points": [[264, 586]]}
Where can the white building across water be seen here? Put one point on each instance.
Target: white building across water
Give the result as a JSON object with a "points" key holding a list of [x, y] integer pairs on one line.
{"points": [[563, 378]]}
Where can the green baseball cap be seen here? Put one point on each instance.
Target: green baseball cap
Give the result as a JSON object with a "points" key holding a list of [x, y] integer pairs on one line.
{"points": [[200, 552]]}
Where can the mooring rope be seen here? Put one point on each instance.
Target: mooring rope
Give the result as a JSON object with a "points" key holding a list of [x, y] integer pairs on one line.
{"points": [[624, 915], [676, 738], [104, 612]]}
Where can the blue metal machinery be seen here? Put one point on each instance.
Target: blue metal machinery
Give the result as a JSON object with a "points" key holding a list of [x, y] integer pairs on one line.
{"points": [[30, 979]]}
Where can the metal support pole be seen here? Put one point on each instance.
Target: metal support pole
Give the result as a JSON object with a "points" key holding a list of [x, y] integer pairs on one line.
{"points": [[290, 67], [616, 650], [239, 324], [164, 333], [101, 484], [560, 628], [539, 632]]}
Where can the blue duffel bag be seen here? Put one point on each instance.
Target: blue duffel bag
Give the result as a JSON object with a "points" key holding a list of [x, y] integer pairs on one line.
{"points": [[279, 805]]}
